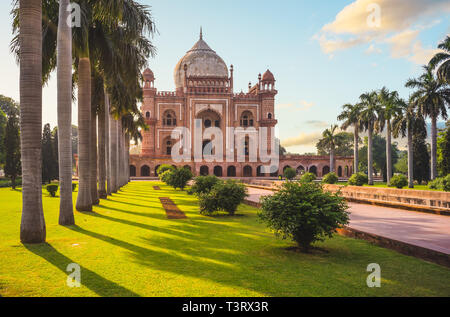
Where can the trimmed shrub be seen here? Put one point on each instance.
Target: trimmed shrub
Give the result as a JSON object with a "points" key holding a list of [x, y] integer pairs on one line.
{"points": [[165, 176], [358, 179], [178, 178], [224, 196], [399, 181], [52, 189], [437, 184], [203, 184], [290, 173], [74, 186], [330, 178], [308, 178], [163, 168], [446, 183], [304, 212]]}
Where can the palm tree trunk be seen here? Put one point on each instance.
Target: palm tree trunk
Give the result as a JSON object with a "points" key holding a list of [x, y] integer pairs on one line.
{"points": [[64, 90], [410, 159], [107, 145], [32, 227], [356, 149], [332, 165], [113, 152], [389, 151], [433, 148], [119, 153], [84, 200], [369, 155], [101, 154], [93, 157]]}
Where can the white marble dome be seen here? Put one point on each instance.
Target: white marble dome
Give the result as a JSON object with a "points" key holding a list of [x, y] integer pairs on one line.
{"points": [[201, 61]]}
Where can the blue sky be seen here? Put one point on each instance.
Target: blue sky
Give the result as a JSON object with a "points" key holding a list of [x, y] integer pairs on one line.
{"points": [[322, 53]]}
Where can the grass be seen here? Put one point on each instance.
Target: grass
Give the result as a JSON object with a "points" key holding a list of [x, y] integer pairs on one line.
{"points": [[384, 185], [127, 247]]}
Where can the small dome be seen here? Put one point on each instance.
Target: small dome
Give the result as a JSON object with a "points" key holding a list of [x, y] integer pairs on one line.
{"points": [[148, 74], [201, 61], [268, 76]]}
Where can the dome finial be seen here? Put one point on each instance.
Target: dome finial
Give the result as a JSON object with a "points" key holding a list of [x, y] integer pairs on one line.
{"points": [[201, 33]]}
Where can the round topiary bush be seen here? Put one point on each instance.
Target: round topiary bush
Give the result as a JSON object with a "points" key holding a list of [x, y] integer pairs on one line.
{"points": [[446, 183], [330, 178], [304, 212], [437, 184], [399, 181], [178, 178], [308, 178], [358, 179], [52, 189], [163, 168], [224, 196], [74, 186], [290, 173], [203, 184]]}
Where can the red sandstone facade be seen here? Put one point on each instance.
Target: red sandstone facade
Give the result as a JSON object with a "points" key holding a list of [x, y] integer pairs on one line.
{"points": [[204, 91]]}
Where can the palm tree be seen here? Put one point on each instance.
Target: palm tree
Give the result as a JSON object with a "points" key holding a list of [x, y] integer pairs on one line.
{"points": [[441, 61], [370, 119], [431, 96], [403, 125], [351, 116], [330, 140], [32, 228], [390, 107], [64, 67]]}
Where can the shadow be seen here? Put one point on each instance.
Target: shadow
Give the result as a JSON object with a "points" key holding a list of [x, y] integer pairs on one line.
{"points": [[90, 279]]}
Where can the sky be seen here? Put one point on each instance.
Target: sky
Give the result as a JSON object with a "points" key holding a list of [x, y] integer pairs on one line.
{"points": [[323, 54]]}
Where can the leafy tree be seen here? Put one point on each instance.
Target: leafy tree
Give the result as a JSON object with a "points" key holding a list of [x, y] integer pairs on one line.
{"points": [[165, 167], [441, 61], [224, 196], [49, 171], [421, 155], [304, 212], [8, 107], [402, 163], [52, 189], [3, 121], [432, 96], [329, 142], [12, 148], [351, 116], [443, 151], [379, 155], [308, 178], [203, 184]]}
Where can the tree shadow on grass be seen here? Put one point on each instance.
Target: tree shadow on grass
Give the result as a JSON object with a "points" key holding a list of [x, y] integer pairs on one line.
{"points": [[96, 283]]}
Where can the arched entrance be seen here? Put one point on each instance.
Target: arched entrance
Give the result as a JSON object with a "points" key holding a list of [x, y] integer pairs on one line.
{"points": [[300, 170], [204, 171], [325, 170], [145, 171], [259, 172], [340, 171], [313, 170], [132, 171], [248, 171], [231, 171], [218, 171]]}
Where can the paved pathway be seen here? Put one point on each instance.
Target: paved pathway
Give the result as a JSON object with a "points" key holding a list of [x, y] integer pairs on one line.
{"points": [[421, 229]]}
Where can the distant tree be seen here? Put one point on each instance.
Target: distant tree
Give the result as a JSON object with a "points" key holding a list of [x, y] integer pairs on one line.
{"points": [[289, 173], [379, 155], [49, 170], [344, 145], [421, 154], [443, 151], [441, 61], [329, 142], [3, 121], [351, 116], [12, 148], [55, 151], [402, 163], [74, 143], [282, 150]]}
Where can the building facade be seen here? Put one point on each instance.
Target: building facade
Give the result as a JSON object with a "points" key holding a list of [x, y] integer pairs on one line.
{"points": [[205, 94]]}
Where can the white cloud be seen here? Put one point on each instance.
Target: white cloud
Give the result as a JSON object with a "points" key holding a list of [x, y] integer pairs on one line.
{"points": [[400, 23], [302, 105], [302, 139]]}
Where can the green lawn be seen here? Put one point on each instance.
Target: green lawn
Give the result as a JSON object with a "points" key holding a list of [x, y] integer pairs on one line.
{"points": [[384, 185], [127, 247]]}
